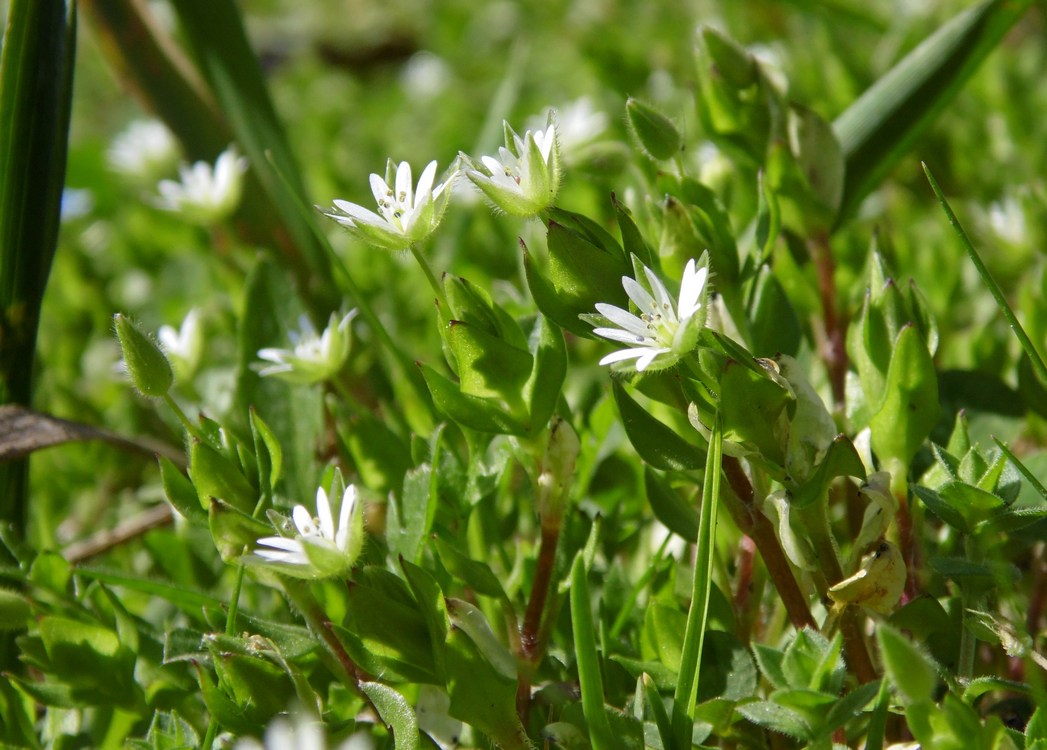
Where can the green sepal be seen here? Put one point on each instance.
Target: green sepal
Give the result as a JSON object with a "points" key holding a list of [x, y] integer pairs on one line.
{"points": [[222, 708], [216, 476], [655, 134], [255, 684], [146, 362], [909, 407]]}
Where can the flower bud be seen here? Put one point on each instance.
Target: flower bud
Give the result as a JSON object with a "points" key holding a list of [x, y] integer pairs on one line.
{"points": [[146, 364], [655, 133]]}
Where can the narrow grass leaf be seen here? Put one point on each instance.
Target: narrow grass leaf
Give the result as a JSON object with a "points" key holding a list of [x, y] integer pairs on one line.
{"points": [[878, 129], [1001, 301], [589, 676], [697, 617]]}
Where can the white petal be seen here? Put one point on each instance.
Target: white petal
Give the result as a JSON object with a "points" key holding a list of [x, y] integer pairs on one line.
{"points": [[357, 212], [303, 521], [279, 542], [661, 294], [645, 361], [380, 189], [345, 516], [626, 337], [425, 183], [323, 514], [623, 319], [691, 289], [623, 354], [639, 295], [404, 194]]}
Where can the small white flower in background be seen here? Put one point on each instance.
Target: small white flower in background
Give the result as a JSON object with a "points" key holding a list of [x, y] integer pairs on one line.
{"points": [[577, 125], [406, 215], [525, 177], [144, 152], [316, 356], [304, 733], [665, 329], [319, 548], [183, 346], [206, 195]]}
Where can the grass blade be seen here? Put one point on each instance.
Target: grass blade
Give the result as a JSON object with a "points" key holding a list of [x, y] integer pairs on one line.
{"points": [[697, 617], [36, 77], [1023, 338], [589, 676], [215, 33], [882, 124]]}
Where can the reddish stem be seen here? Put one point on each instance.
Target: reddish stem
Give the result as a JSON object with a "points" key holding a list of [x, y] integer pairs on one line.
{"points": [[834, 349]]}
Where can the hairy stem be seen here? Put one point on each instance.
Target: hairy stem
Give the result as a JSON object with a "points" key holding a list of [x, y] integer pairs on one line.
{"points": [[741, 505], [834, 350]]}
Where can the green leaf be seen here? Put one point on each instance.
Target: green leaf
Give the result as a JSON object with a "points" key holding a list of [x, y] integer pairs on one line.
{"points": [[218, 40], [475, 574], [656, 443], [777, 718], [775, 327], [679, 516], [396, 712], [753, 405], [542, 390], [294, 413], [411, 513], [698, 615], [430, 598], [485, 415], [482, 691], [379, 454], [590, 677], [216, 476], [264, 437], [180, 491], [912, 672], [36, 77], [15, 611], [187, 600], [910, 400], [878, 129]]}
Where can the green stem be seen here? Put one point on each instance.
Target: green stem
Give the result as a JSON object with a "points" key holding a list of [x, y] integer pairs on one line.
{"points": [[212, 733], [317, 621], [431, 277], [187, 423], [968, 600], [234, 601]]}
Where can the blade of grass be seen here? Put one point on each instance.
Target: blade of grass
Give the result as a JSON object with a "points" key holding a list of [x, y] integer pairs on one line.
{"points": [[36, 78], [1022, 468], [159, 74], [882, 124], [589, 676], [1023, 338], [697, 617], [215, 33]]}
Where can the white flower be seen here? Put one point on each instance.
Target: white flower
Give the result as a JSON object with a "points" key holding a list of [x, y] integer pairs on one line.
{"points": [[183, 346], [315, 357], [405, 216], [305, 733], [525, 177], [319, 548], [665, 330], [145, 151], [577, 125], [206, 195]]}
